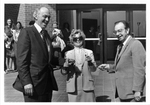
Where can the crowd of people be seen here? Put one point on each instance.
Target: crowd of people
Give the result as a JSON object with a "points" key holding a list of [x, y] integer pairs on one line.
{"points": [[11, 33], [36, 53]]}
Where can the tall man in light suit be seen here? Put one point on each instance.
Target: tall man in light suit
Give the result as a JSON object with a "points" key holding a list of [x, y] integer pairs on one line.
{"points": [[129, 65], [35, 74]]}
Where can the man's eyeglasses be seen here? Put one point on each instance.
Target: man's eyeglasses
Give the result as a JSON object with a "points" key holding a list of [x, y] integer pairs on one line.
{"points": [[75, 39], [118, 31]]}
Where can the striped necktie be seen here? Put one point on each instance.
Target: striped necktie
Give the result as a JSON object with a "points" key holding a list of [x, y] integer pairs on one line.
{"points": [[120, 48], [44, 39], [43, 35]]}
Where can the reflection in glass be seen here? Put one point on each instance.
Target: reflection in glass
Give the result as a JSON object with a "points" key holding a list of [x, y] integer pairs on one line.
{"points": [[139, 23]]}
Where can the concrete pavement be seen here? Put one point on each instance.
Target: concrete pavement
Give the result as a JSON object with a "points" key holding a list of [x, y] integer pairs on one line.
{"points": [[104, 90]]}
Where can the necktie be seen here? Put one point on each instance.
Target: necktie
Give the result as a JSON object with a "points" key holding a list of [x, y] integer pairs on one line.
{"points": [[120, 48], [43, 36], [44, 39]]}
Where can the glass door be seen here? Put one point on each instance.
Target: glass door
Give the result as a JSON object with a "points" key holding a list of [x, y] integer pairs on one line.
{"points": [[91, 22], [112, 42]]}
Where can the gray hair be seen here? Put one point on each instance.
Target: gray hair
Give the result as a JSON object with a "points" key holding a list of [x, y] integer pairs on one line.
{"points": [[35, 13]]}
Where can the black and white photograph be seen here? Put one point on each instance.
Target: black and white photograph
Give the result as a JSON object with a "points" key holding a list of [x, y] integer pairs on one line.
{"points": [[74, 52]]}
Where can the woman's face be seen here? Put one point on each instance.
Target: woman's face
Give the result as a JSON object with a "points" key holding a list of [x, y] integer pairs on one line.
{"points": [[55, 25], [9, 22], [18, 25], [78, 40]]}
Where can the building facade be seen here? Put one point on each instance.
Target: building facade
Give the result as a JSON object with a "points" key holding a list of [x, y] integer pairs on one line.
{"points": [[83, 16]]}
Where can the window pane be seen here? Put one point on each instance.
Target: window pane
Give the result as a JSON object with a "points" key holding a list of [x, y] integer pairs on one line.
{"points": [[112, 17], [139, 23]]}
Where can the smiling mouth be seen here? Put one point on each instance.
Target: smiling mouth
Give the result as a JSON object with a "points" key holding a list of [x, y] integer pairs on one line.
{"points": [[119, 36]]}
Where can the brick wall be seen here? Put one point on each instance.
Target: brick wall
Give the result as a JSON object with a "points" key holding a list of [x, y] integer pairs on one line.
{"points": [[24, 13]]}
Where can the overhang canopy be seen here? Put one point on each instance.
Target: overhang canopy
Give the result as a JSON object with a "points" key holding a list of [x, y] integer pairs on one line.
{"points": [[104, 6]]}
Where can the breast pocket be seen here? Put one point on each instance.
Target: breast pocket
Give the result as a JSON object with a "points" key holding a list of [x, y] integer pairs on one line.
{"points": [[88, 84]]}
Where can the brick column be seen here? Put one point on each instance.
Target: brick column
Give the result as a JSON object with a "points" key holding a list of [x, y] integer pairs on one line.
{"points": [[21, 15]]}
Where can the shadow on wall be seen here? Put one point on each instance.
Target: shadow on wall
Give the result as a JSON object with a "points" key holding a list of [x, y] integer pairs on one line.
{"points": [[103, 99]]}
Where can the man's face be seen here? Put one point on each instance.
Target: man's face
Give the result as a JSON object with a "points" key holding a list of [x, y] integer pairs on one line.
{"points": [[43, 17], [120, 32]]}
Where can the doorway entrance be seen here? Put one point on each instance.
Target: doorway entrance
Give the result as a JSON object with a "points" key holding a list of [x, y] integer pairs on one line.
{"points": [[90, 30]]}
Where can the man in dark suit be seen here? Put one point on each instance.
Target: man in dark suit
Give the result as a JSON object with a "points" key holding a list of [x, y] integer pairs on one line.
{"points": [[35, 74], [129, 65]]}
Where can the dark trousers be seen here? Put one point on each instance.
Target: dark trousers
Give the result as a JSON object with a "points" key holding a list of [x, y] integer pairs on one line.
{"points": [[41, 98], [127, 100]]}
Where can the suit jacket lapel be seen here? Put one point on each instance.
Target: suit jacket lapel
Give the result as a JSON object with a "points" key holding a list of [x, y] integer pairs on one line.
{"points": [[122, 51], [40, 40], [116, 58], [49, 45]]}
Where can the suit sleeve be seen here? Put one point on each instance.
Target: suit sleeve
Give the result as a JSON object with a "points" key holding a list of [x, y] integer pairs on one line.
{"points": [[23, 57], [139, 60]]}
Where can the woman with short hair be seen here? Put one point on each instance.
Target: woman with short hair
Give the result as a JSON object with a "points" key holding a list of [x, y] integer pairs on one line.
{"points": [[78, 63]]}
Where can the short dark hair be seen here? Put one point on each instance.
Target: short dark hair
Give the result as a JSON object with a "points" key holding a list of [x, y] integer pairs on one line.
{"points": [[31, 22], [20, 24], [126, 24]]}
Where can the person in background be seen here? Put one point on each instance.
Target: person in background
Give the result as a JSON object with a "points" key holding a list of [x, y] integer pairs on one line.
{"points": [[98, 43], [57, 32], [90, 34], [129, 65], [80, 84], [17, 30], [10, 24], [15, 36], [34, 51], [66, 33], [58, 40], [9, 46], [9, 49]]}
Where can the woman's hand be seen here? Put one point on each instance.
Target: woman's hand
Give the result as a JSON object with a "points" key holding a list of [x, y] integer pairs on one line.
{"points": [[71, 61], [88, 58]]}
